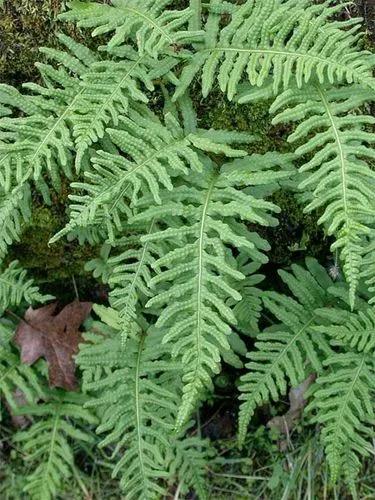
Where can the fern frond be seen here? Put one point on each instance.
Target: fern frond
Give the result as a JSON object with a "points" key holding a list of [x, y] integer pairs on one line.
{"points": [[37, 142], [47, 442], [135, 410], [343, 404], [132, 272], [147, 21], [285, 39], [41, 142], [355, 330], [368, 266], [15, 211], [154, 154], [15, 287], [192, 287], [138, 410], [336, 178], [289, 351], [251, 297], [189, 462], [108, 88]]}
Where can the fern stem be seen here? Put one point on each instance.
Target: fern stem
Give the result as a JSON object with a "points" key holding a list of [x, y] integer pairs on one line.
{"points": [[339, 147], [138, 408], [178, 491]]}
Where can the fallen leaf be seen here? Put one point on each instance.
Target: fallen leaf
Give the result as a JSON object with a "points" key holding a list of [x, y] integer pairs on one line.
{"points": [[55, 337], [285, 423]]}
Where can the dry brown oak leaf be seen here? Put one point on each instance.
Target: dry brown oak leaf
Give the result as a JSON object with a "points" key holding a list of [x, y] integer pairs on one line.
{"points": [[55, 337]]}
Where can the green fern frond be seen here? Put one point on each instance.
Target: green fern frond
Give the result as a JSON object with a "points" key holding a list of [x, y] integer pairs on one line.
{"points": [[136, 392], [37, 142], [287, 352], [154, 153], [147, 21], [107, 89], [290, 40], [137, 409], [336, 178], [189, 462], [193, 276], [251, 297], [15, 287], [132, 272], [368, 266], [15, 211], [47, 442], [41, 142], [355, 330], [343, 404]]}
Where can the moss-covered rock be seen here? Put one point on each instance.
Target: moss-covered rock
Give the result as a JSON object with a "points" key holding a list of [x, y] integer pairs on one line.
{"points": [[24, 26]]}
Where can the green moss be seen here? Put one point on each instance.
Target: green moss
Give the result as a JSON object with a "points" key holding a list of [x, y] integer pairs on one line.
{"points": [[297, 235], [217, 112], [50, 263], [26, 25]]}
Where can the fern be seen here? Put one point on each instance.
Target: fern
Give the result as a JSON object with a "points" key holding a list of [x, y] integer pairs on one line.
{"points": [[336, 175], [156, 152], [138, 412], [179, 227], [132, 272], [368, 265], [15, 210], [188, 464], [39, 142], [289, 351], [290, 40], [46, 442], [147, 21], [343, 397], [251, 297], [14, 287], [194, 273], [343, 403], [354, 330]]}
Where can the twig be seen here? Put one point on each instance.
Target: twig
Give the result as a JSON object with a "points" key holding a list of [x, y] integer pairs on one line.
{"points": [[75, 287]]}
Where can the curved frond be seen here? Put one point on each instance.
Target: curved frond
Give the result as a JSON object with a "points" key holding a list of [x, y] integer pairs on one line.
{"points": [[343, 404], [196, 277], [137, 409], [46, 442], [152, 154], [288, 40], [289, 351], [15, 287], [337, 178], [108, 89], [154, 27]]}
